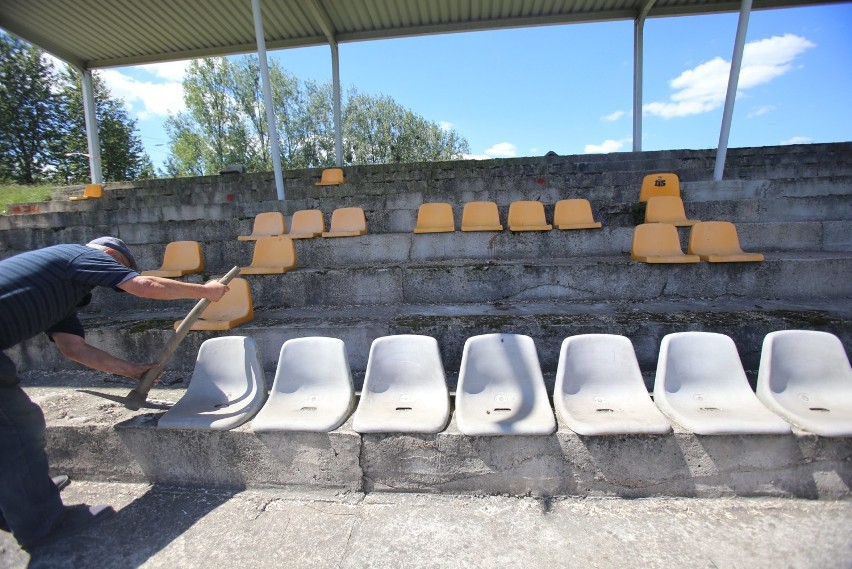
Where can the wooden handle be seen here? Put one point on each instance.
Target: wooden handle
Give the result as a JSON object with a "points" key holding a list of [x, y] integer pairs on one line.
{"points": [[140, 393]]}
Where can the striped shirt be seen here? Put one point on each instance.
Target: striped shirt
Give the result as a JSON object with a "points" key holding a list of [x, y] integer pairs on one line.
{"points": [[39, 289]]}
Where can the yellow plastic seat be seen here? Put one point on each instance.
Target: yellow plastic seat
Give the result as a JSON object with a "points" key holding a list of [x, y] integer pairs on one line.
{"points": [[574, 214], [435, 218], [658, 243], [272, 256], [180, 258], [306, 224], [231, 310], [331, 177], [347, 222], [665, 184], [481, 216], [266, 224], [527, 216], [667, 209], [92, 191], [717, 242]]}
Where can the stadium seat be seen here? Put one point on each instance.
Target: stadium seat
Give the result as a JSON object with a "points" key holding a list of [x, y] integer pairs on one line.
{"points": [[227, 387], [347, 222], [599, 388], [90, 192], [701, 385], [180, 258], [501, 389], [481, 216], [805, 378], [435, 218], [405, 389], [667, 209], [306, 224], [266, 224], [312, 390], [231, 310], [272, 256], [331, 177], [658, 243], [666, 184], [574, 214], [717, 242], [527, 216]]}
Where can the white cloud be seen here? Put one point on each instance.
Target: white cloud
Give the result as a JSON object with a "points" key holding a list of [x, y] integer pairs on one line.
{"points": [[762, 110], [477, 157], [798, 140], [445, 126], [502, 150], [703, 88], [606, 147], [159, 96], [612, 117]]}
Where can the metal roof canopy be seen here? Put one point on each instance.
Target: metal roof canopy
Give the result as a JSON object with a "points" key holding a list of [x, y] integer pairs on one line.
{"points": [[91, 34]]}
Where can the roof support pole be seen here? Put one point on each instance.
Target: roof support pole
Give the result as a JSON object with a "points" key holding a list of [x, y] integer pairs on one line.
{"points": [[90, 116], [638, 80], [730, 97], [274, 149], [335, 81]]}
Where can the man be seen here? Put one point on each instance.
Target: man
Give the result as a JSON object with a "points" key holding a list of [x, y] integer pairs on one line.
{"points": [[41, 291]]}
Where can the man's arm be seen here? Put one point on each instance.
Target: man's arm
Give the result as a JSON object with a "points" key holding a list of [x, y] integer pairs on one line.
{"points": [[76, 349], [167, 289]]}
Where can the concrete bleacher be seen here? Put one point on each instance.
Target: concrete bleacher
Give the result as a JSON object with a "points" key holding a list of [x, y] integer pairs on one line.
{"points": [[794, 204]]}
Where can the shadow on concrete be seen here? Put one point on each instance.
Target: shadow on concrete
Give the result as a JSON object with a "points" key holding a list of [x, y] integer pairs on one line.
{"points": [[135, 533]]}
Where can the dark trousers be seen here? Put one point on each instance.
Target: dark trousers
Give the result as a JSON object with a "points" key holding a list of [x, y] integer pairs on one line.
{"points": [[29, 500]]}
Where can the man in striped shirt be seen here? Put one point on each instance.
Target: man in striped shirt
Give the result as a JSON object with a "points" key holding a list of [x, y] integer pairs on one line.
{"points": [[41, 291]]}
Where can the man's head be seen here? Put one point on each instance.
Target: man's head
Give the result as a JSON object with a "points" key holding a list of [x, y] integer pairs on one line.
{"points": [[116, 245]]}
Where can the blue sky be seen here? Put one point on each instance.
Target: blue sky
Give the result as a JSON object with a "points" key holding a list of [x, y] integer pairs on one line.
{"points": [[569, 88]]}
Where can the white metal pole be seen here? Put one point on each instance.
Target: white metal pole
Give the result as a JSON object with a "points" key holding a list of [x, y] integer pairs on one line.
{"points": [[91, 119], [638, 27], [730, 97], [335, 79], [267, 99]]}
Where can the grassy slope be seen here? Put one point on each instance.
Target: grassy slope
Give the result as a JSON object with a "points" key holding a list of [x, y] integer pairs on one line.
{"points": [[14, 193]]}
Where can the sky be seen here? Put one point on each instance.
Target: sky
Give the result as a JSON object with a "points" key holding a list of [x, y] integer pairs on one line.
{"points": [[569, 88]]}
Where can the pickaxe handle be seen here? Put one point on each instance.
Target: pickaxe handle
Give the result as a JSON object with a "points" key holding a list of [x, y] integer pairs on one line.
{"points": [[139, 395]]}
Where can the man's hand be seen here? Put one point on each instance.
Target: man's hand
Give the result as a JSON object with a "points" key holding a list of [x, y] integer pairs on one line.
{"points": [[214, 290], [140, 369]]}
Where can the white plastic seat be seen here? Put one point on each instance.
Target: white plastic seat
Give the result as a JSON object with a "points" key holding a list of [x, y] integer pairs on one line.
{"points": [[226, 390], [805, 377], [501, 389], [312, 390], [599, 388], [701, 385], [405, 389]]}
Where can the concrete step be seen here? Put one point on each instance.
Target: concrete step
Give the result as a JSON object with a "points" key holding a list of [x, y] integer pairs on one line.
{"points": [[94, 439], [140, 336]]}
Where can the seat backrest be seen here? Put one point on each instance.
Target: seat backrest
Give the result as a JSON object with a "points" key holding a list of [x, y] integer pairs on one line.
{"points": [[572, 211], [794, 362], [93, 191], [664, 209], [227, 388], [405, 388], [331, 177], [664, 184], [598, 363], [307, 221], [348, 219], [714, 238], [275, 251], [183, 256], [236, 303], [269, 223], [655, 239], [313, 388], [435, 217], [501, 387], [526, 214], [480, 214]]}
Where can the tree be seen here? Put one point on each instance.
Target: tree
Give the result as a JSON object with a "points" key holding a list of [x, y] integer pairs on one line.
{"points": [[225, 122], [29, 112]]}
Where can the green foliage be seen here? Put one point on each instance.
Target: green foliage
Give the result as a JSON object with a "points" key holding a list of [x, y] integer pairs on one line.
{"points": [[42, 126], [225, 123]]}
